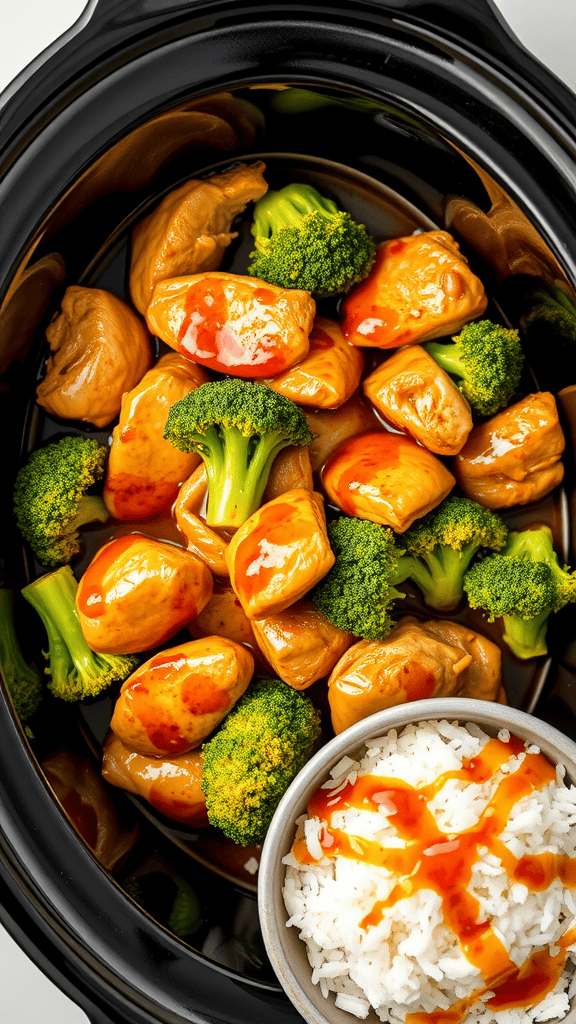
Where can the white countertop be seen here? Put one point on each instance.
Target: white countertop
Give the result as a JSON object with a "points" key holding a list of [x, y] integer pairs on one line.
{"points": [[26, 28]]}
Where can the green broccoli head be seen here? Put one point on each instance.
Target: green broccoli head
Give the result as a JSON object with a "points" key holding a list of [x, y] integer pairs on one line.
{"points": [[302, 240], [22, 680], [357, 593], [522, 585], [253, 757], [237, 428], [441, 545], [75, 671], [487, 361], [550, 317], [51, 500]]}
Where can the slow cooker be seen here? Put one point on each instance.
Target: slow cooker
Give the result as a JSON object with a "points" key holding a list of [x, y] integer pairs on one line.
{"points": [[413, 113]]}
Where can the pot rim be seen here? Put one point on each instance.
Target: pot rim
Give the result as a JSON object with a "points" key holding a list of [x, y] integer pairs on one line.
{"points": [[38, 875]]}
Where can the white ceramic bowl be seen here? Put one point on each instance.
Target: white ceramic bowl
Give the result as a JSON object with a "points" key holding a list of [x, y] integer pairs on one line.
{"points": [[286, 951]]}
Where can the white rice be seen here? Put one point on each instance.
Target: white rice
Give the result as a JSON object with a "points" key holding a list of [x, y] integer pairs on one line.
{"points": [[411, 961]]}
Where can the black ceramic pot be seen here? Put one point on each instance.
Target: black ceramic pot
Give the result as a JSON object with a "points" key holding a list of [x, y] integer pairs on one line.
{"points": [[426, 111]]}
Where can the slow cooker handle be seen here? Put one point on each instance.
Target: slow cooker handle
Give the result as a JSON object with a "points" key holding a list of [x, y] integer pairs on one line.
{"points": [[475, 21], [477, 24]]}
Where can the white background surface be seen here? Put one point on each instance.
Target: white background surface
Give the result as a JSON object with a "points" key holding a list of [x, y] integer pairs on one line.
{"points": [[546, 27]]}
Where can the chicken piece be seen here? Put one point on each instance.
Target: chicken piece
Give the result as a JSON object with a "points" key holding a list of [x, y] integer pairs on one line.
{"points": [[176, 699], [99, 349], [279, 553], [190, 512], [78, 788], [172, 785], [329, 375], [236, 325], [414, 394], [189, 231], [415, 661], [387, 478], [419, 288], [483, 677], [138, 592], [300, 644], [332, 426], [225, 616], [291, 469], [145, 471], [513, 458]]}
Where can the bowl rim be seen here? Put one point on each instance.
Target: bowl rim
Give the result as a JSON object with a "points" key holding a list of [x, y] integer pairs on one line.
{"points": [[273, 915]]}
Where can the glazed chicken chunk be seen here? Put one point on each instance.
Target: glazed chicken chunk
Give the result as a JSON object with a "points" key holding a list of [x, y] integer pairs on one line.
{"points": [[415, 661], [513, 458], [387, 478], [414, 394], [145, 471], [172, 785], [190, 230], [300, 644], [176, 699], [225, 616], [279, 553], [99, 349], [329, 375], [291, 469], [420, 288], [332, 426], [139, 592], [234, 324]]}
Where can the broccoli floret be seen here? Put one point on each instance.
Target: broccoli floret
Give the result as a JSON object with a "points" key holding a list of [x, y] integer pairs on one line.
{"points": [[253, 757], [75, 671], [550, 320], [487, 361], [302, 240], [23, 680], [522, 585], [441, 545], [237, 428], [358, 594], [302, 101], [50, 499]]}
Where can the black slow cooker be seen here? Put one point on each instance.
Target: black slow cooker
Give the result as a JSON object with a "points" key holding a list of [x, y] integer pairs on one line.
{"points": [[414, 112]]}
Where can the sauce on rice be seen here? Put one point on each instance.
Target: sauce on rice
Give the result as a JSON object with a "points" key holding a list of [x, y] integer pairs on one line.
{"points": [[444, 861]]}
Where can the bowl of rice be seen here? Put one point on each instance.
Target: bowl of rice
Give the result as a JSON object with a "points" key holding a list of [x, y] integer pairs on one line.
{"points": [[422, 869]]}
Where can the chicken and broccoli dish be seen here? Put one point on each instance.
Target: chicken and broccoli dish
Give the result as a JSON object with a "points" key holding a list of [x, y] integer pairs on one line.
{"points": [[345, 424]]}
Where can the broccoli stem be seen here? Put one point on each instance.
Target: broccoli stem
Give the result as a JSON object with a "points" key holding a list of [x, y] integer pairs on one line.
{"points": [[526, 638], [439, 574], [448, 358], [53, 596], [286, 208], [91, 509], [22, 680], [238, 471], [564, 300]]}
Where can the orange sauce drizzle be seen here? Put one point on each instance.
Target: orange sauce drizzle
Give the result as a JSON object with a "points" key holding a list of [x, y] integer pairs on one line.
{"points": [[271, 548], [136, 497], [355, 464], [444, 862], [320, 339], [207, 334], [364, 313]]}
